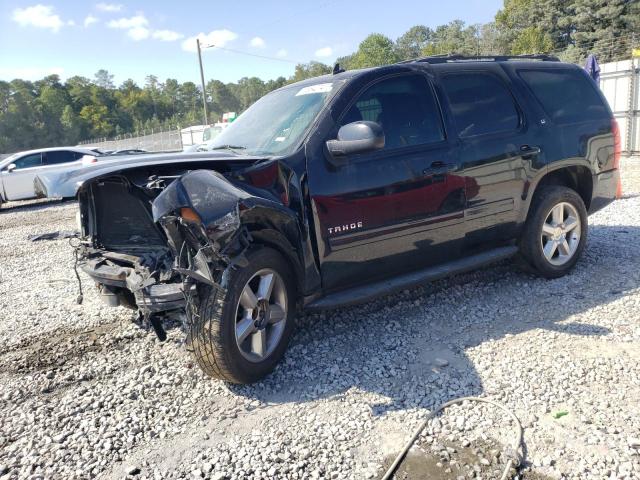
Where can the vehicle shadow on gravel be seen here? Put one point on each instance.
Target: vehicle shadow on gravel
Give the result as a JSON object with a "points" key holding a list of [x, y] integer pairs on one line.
{"points": [[409, 349], [33, 205]]}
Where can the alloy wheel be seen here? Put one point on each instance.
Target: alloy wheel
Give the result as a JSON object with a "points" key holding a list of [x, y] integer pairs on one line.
{"points": [[560, 235], [261, 315]]}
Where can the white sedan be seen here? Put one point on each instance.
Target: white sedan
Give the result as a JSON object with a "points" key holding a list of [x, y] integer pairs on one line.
{"points": [[18, 171]]}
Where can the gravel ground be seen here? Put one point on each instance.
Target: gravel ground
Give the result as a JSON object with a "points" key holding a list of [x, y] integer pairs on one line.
{"points": [[86, 393]]}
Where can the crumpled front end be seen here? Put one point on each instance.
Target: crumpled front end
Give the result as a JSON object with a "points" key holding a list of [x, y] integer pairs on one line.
{"points": [[138, 282], [200, 215], [124, 251]]}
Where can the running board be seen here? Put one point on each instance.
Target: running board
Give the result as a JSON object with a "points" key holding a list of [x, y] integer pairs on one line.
{"points": [[369, 292]]}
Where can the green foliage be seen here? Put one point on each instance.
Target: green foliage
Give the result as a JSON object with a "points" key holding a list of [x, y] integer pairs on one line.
{"points": [[104, 79], [72, 124], [532, 40], [375, 50], [490, 41], [222, 99], [98, 119], [309, 70], [455, 37], [49, 113], [412, 43], [571, 28]]}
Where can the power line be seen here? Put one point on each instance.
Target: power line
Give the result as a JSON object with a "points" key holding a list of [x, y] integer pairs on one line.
{"points": [[267, 57]]}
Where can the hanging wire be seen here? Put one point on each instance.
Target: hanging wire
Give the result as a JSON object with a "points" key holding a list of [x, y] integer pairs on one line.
{"points": [[249, 54]]}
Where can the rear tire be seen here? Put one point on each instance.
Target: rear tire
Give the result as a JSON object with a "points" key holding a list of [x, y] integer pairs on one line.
{"points": [[555, 232], [234, 342]]}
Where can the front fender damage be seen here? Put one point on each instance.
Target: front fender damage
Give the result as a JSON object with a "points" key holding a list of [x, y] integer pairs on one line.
{"points": [[208, 222], [200, 214]]}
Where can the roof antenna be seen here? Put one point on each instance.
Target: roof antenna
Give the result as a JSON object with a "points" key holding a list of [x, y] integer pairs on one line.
{"points": [[337, 69]]}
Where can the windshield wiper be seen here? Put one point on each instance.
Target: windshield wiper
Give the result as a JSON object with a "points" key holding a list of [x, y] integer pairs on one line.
{"points": [[233, 148]]}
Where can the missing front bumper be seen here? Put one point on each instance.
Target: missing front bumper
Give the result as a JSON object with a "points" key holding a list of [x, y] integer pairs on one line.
{"points": [[124, 286]]}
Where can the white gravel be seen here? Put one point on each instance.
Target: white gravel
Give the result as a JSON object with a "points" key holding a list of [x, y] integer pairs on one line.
{"points": [[86, 393]]}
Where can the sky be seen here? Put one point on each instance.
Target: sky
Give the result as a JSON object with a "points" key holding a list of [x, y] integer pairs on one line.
{"points": [[132, 39]]}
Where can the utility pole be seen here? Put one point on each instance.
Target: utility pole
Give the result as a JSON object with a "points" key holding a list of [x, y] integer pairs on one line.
{"points": [[204, 93]]}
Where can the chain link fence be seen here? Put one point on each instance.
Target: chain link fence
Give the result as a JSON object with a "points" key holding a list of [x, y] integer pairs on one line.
{"points": [[164, 141]]}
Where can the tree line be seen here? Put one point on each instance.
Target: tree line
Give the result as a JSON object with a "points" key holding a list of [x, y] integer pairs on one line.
{"points": [[49, 112]]}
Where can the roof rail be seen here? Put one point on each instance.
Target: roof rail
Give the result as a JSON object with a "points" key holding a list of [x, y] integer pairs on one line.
{"points": [[446, 58]]}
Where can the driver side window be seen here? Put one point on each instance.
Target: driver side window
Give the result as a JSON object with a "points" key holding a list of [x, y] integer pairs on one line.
{"points": [[405, 108], [34, 160]]}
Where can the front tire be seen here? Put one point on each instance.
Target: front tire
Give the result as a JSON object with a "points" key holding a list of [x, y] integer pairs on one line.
{"points": [[240, 335], [556, 231]]}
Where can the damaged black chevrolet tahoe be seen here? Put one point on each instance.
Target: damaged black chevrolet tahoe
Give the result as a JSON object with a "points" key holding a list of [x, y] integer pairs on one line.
{"points": [[340, 189]]}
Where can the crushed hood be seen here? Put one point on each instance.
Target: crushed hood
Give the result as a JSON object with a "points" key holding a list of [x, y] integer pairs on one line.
{"points": [[67, 184]]}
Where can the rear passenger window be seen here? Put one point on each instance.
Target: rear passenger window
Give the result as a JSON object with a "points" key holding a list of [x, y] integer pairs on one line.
{"points": [[61, 156], [567, 96], [480, 103], [406, 109]]}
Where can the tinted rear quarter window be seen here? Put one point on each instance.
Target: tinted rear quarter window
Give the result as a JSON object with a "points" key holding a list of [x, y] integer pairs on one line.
{"points": [[566, 95], [480, 103]]}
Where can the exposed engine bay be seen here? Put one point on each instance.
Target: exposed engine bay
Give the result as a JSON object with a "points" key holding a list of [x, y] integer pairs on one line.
{"points": [[149, 239]]}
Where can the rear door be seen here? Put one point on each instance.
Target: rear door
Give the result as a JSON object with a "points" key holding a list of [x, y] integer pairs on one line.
{"points": [[60, 159], [393, 210], [18, 184], [498, 150], [574, 110]]}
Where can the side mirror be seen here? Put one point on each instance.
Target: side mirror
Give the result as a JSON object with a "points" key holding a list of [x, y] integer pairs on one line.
{"points": [[357, 137], [11, 167]]}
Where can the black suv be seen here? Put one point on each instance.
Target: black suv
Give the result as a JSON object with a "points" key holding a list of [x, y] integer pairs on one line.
{"points": [[345, 187]]}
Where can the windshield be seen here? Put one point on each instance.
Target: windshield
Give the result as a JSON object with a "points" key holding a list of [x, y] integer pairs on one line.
{"points": [[276, 123], [10, 158]]}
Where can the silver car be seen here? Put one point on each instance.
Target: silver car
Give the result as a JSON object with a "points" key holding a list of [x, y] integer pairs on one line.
{"points": [[18, 171]]}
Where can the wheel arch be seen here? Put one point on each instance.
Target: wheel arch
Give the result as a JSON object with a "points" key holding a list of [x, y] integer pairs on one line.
{"points": [[576, 177], [278, 230]]}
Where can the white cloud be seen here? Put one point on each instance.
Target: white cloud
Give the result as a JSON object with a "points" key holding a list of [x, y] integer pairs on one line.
{"points": [[89, 20], [282, 53], [35, 73], [257, 42], [136, 26], [324, 52], [40, 16], [136, 21], [138, 33], [219, 38], [109, 7], [167, 35], [71, 23]]}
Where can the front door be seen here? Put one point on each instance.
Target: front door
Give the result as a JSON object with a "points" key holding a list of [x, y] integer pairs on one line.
{"points": [[396, 209], [18, 183]]}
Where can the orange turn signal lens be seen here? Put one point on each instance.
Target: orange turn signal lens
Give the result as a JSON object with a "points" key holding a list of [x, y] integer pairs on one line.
{"points": [[189, 215]]}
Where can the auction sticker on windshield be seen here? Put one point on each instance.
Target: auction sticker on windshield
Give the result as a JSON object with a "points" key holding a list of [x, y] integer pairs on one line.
{"points": [[320, 88]]}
